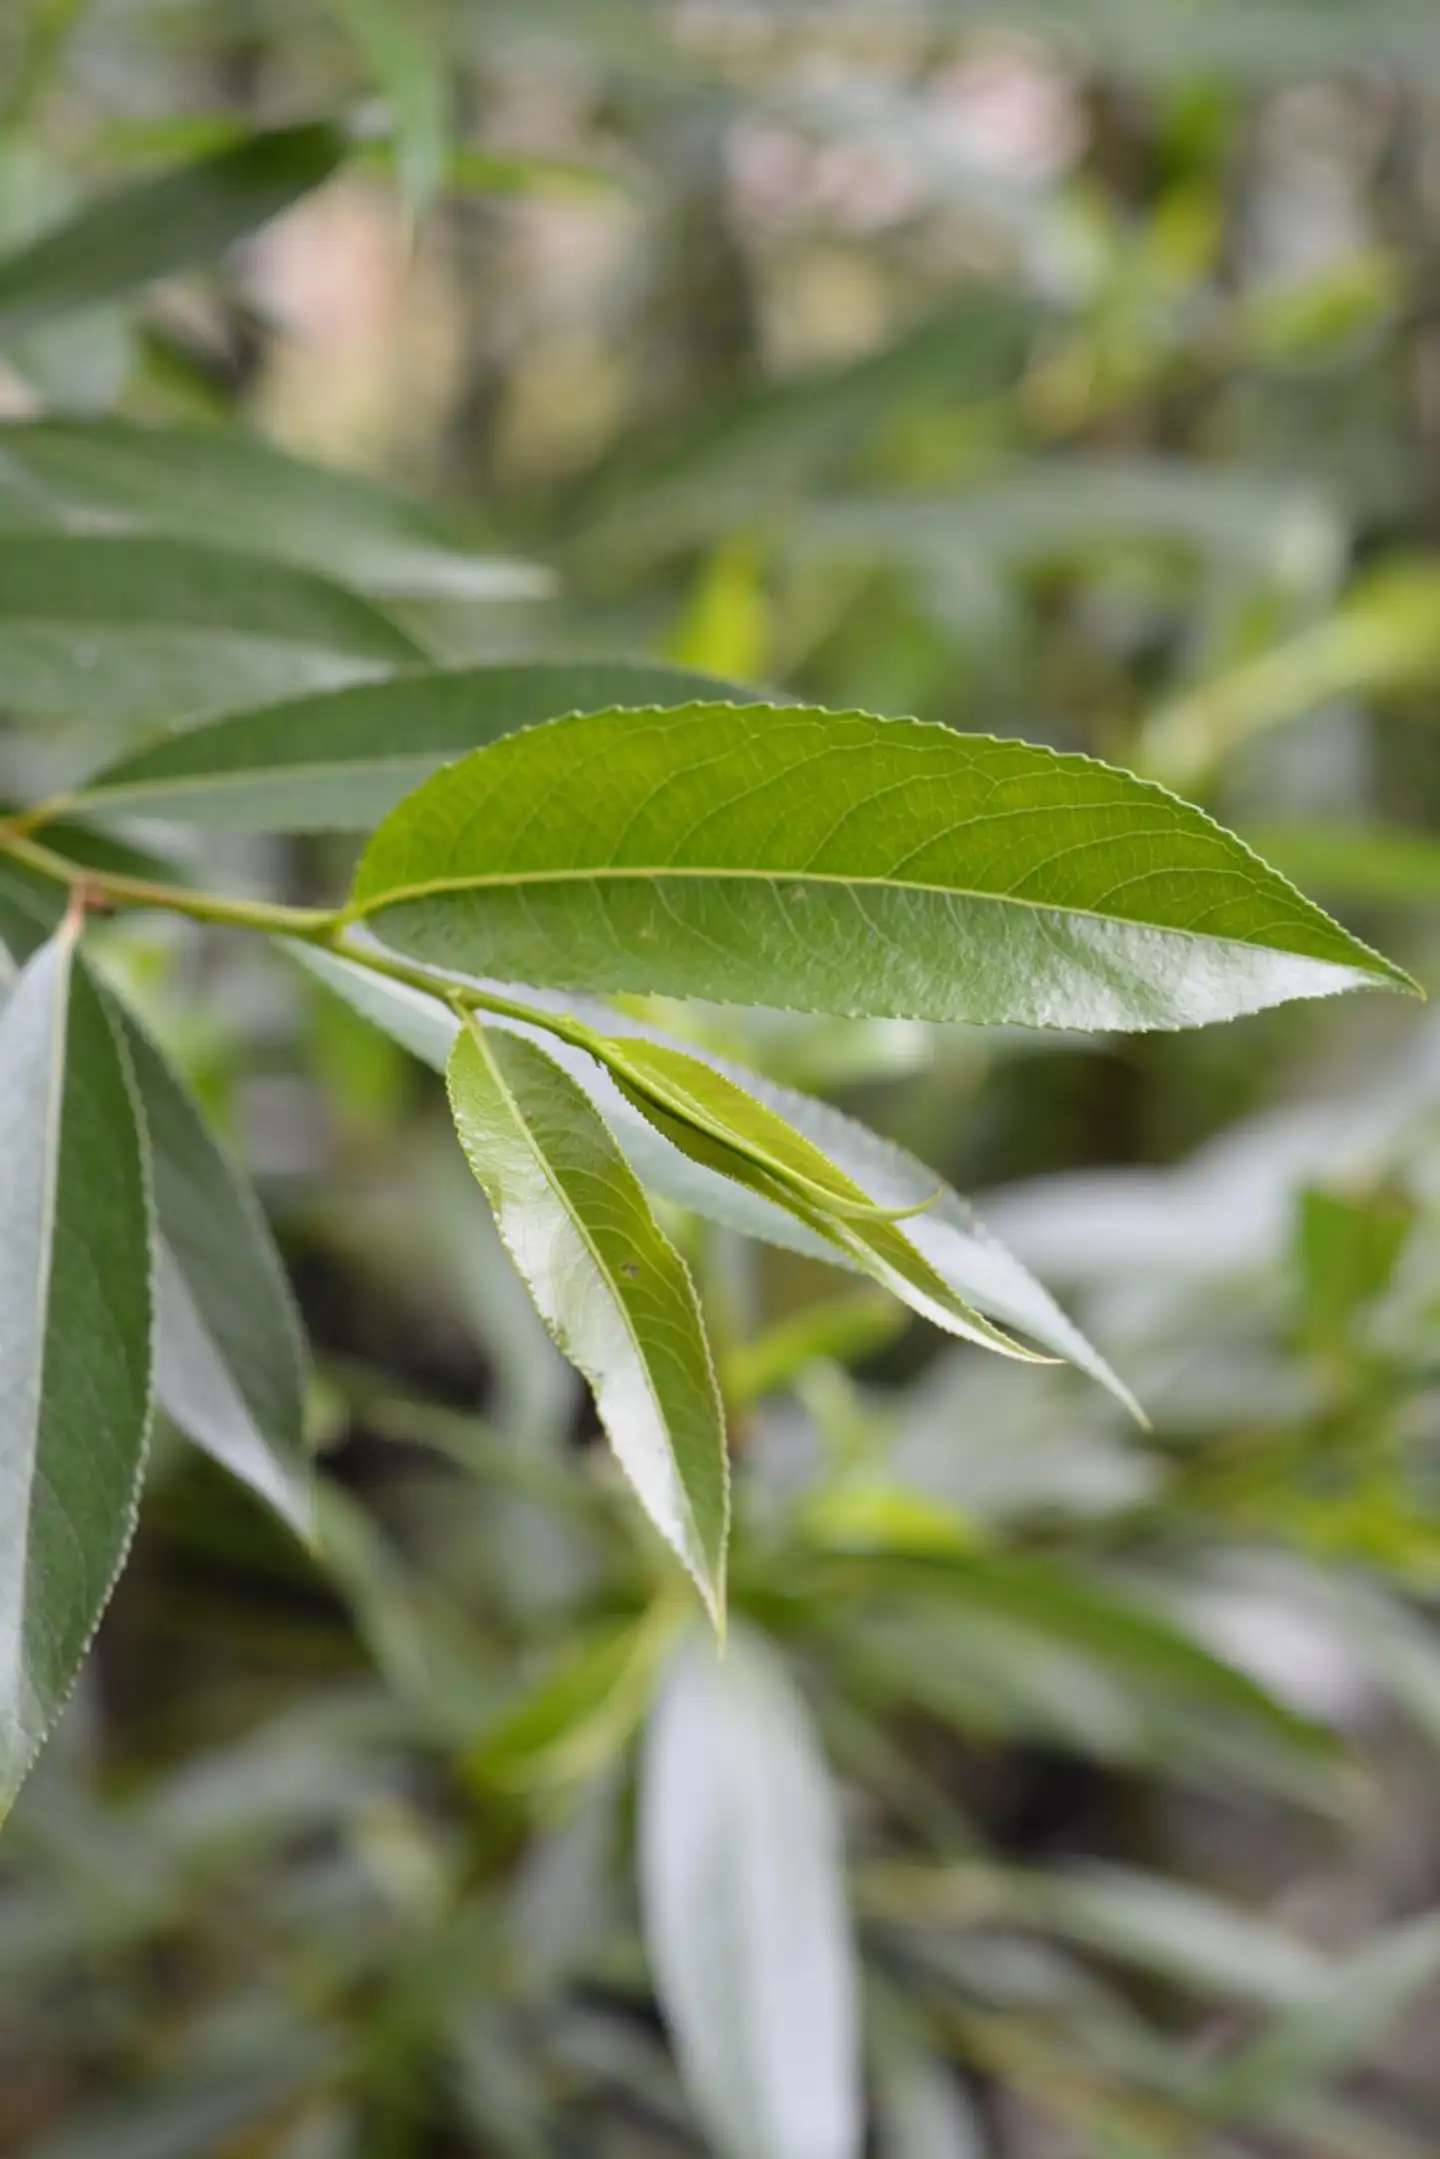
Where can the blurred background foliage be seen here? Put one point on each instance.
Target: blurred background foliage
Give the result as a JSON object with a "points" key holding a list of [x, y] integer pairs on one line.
{"points": [[1069, 370]]}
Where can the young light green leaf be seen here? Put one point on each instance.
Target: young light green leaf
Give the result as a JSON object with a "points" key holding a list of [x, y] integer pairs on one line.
{"points": [[117, 629], [973, 1265], [707, 1116], [229, 1360], [75, 1337], [162, 226], [609, 1285], [340, 761], [744, 1908], [837, 862], [1330, 2032], [230, 489], [400, 41]]}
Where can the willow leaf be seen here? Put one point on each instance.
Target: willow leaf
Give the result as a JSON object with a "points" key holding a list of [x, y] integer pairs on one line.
{"points": [[609, 1285], [838, 862], [75, 1336]]}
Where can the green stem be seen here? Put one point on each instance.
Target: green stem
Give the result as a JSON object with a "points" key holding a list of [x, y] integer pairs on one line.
{"points": [[312, 925]]}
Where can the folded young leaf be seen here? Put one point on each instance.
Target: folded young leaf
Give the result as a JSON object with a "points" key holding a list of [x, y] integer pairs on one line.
{"points": [[714, 1121], [973, 1265], [228, 488], [75, 1336], [111, 628], [837, 862], [609, 1285], [340, 761], [229, 1357], [159, 227], [743, 1900]]}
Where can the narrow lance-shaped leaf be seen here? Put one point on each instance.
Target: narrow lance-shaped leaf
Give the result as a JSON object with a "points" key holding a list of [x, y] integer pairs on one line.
{"points": [[744, 1908], [609, 1285], [837, 862], [75, 1335], [400, 40], [158, 227], [228, 488], [116, 629], [229, 1359], [339, 761], [707, 1116], [973, 1264]]}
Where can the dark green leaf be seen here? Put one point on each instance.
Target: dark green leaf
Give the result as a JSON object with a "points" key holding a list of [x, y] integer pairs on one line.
{"points": [[229, 1363], [744, 1908], [832, 861], [75, 1328], [341, 760], [140, 629], [611, 1288], [162, 226]]}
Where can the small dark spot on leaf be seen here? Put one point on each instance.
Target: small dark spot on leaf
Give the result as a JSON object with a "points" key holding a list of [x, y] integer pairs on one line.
{"points": [[629, 1269]]}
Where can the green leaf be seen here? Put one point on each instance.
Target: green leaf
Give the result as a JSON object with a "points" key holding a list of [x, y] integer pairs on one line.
{"points": [[837, 862], [75, 1337], [1330, 2032], [584, 1709], [744, 1908], [400, 42], [610, 1287], [229, 1360], [116, 629], [340, 761], [162, 226], [230, 489], [972, 1263], [707, 1116]]}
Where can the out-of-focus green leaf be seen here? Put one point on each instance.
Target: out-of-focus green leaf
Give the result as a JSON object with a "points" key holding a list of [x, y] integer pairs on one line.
{"points": [[230, 489], [735, 472], [744, 1908], [158, 227], [1373, 865], [583, 1711], [921, 2108], [140, 629], [832, 861], [1262, 40], [401, 43], [609, 1285], [75, 1337], [340, 761], [1347, 1247], [229, 1361], [1383, 639], [1330, 2032], [853, 1326]]}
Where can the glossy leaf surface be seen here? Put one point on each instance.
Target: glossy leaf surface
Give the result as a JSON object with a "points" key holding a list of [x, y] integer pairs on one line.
{"points": [[158, 227], [709, 1117], [609, 1285], [341, 760], [744, 1908], [832, 861], [75, 1335]]}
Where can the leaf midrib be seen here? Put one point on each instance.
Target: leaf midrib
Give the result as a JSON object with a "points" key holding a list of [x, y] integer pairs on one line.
{"points": [[359, 909]]}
